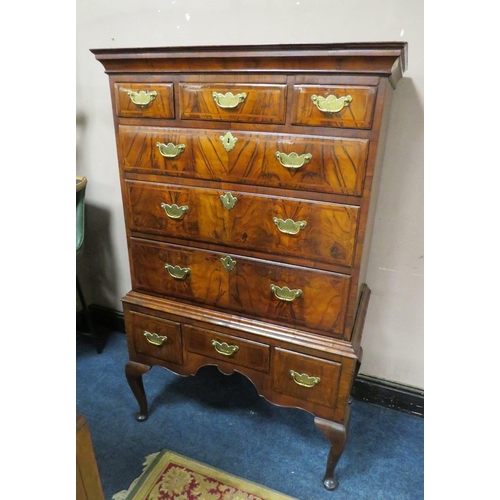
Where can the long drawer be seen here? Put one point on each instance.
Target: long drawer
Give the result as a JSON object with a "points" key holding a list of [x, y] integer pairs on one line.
{"points": [[329, 165], [312, 230], [288, 295]]}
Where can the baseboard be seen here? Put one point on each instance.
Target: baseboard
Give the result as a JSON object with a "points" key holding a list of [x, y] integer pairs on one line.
{"points": [[102, 318], [388, 394], [373, 390], [107, 318]]}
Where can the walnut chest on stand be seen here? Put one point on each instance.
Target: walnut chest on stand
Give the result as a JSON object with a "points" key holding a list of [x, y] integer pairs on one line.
{"points": [[249, 179]]}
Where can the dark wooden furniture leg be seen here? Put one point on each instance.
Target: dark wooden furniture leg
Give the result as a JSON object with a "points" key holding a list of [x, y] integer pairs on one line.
{"points": [[134, 372], [337, 434], [356, 370], [98, 342]]}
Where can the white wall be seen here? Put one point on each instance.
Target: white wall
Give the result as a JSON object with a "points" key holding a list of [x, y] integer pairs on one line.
{"points": [[393, 338]]}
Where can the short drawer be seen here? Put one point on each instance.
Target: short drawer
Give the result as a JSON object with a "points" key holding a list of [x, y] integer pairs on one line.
{"points": [[322, 164], [306, 377], [144, 100], [226, 348], [333, 106], [252, 103], [155, 337], [274, 225], [278, 293]]}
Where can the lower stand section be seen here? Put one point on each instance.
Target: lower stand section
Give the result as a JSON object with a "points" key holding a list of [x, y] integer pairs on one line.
{"points": [[337, 435], [134, 372], [187, 337], [335, 432]]}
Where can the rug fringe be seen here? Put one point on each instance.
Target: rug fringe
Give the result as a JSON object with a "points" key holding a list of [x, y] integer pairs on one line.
{"points": [[122, 495]]}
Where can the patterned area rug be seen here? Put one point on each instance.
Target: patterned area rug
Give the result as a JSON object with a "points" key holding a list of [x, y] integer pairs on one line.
{"points": [[167, 475]]}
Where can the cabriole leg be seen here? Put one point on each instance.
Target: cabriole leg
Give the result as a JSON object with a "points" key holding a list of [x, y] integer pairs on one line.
{"points": [[134, 372], [337, 435]]}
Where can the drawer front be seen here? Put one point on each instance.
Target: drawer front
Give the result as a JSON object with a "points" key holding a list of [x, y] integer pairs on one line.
{"points": [[252, 103], [306, 377], [334, 106], [230, 349], [330, 165], [287, 295], [155, 337], [296, 228], [144, 100]]}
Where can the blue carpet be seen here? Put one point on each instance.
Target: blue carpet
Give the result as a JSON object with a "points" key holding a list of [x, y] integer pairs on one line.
{"points": [[220, 420]]}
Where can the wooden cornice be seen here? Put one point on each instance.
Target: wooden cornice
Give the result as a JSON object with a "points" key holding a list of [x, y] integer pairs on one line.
{"points": [[387, 59]]}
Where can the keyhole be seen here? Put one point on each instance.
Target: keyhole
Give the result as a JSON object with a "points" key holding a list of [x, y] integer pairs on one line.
{"points": [[228, 141]]}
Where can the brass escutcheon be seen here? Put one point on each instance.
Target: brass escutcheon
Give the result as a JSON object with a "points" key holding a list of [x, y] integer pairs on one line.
{"points": [[170, 150], [285, 293], [224, 348], [293, 160], [175, 211], [154, 338], [228, 200], [331, 104], [289, 226], [303, 379], [228, 141], [228, 100], [142, 98], [177, 272], [228, 263]]}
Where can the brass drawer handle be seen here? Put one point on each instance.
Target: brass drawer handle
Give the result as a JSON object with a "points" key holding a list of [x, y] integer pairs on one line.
{"points": [[331, 104], [142, 98], [289, 226], [303, 379], [285, 293], [175, 211], [228, 100], [293, 160], [170, 150], [228, 200], [179, 273], [224, 348], [154, 338]]}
